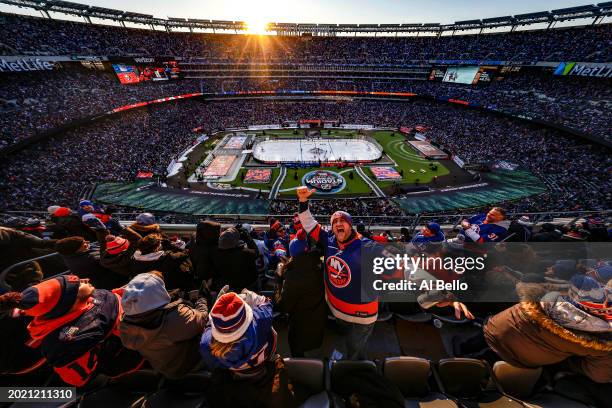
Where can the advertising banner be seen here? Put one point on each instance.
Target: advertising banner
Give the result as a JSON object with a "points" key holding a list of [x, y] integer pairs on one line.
{"points": [[585, 69]]}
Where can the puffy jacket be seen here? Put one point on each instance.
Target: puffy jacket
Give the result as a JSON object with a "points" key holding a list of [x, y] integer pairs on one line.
{"points": [[175, 266], [525, 336]]}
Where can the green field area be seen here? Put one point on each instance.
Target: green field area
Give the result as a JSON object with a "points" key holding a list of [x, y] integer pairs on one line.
{"points": [[407, 159], [354, 186], [415, 168]]}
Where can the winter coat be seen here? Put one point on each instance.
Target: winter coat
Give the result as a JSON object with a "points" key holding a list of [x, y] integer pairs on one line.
{"points": [[119, 263], [238, 267], [175, 266], [16, 246], [78, 348], [205, 252], [301, 294], [70, 226], [87, 265], [168, 337], [525, 336]]}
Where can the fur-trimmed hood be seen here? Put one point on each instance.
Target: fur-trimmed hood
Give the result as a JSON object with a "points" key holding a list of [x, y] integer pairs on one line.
{"points": [[535, 313]]}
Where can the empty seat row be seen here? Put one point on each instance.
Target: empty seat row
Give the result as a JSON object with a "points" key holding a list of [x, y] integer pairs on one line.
{"points": [[454, 382]]}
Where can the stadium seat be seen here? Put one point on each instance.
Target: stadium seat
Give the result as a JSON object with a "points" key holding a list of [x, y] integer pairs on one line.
{"points": [[466, 381], [309, 374], [340, 367], [518, 382], [411, 375], [521, 383], [127, 391]]}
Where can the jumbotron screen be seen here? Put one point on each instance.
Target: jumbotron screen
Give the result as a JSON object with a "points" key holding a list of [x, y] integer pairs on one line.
{"points": [[461, 75]]}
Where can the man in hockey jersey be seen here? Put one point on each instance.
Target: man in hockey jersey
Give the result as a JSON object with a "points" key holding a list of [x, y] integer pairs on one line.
{"points": [[353, 304], [489, 227]]}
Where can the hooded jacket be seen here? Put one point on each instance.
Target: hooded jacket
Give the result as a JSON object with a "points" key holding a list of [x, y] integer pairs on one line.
{"points": [[168, 337], [526, 336]]}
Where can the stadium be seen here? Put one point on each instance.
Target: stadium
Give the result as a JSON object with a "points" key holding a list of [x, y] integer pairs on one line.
{"points": [[177, 191]]}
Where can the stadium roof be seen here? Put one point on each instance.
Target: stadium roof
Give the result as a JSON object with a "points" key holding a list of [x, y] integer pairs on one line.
{"points": [[597, 12]]}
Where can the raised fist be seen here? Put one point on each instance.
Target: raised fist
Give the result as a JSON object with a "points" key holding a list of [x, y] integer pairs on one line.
{"points": [[303, 193]]}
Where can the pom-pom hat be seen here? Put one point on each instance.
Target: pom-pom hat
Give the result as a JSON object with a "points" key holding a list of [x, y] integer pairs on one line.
{"points": [[230, 318]]}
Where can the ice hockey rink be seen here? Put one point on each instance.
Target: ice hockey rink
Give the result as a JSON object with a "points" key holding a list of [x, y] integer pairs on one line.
{"points": [[315, 150]]}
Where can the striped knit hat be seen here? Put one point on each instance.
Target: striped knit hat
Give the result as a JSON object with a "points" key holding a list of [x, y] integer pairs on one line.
{"points": [[587, 294], [51, 298], [230, 318], [116, 245]]}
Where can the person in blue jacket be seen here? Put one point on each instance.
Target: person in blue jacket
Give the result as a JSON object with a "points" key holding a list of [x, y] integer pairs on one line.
{"points": [[240, 337], [490, 227], [428, 234]]}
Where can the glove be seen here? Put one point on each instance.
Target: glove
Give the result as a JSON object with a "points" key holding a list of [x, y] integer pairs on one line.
{"points": [[252, 298], [223, 291]]}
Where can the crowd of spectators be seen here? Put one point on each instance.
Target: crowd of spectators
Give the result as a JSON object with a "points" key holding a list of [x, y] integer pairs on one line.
{"points": [[115, 149], [23, 35], [31, 103], [215, 306]]}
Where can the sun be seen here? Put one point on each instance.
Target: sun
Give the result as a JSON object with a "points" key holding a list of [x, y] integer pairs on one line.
{"points": [[256, 26]]}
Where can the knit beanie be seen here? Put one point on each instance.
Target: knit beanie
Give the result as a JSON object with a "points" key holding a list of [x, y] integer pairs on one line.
{"points": [[299, 244], [341, 215], [145, 219], [49, 299], [276, 226], [62, 212], [230, 238], [145, 292], [116, 245], [434, 227], [230, 318]]}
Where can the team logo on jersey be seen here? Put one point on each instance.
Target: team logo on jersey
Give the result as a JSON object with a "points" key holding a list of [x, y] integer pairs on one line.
{"points": [[492, 236], [338, 272]]}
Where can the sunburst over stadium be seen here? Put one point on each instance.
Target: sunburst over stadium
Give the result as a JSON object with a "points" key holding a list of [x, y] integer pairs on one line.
{"points": [[305, 204]]}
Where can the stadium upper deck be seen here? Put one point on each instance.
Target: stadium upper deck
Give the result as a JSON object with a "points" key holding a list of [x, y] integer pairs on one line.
{"points": [[36, 36]]}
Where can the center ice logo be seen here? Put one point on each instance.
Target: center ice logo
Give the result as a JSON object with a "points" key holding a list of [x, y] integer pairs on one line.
{"points": [[324, 181], [338, 272]]}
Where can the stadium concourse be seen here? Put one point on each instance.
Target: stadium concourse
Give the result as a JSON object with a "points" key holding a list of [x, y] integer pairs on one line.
{"points": [[190, 219]]}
